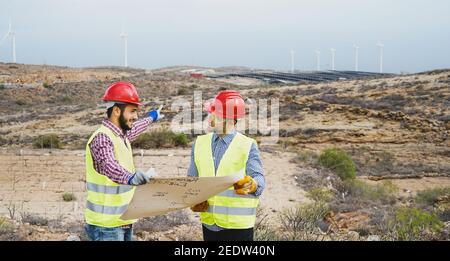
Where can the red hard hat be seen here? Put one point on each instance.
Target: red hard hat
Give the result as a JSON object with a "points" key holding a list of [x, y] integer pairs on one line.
{"points": [[122, 92], [227, 105]]}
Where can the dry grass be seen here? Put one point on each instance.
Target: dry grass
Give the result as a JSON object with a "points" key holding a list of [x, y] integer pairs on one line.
{"points": [[162, 222], [48, 141], [67, 196]]}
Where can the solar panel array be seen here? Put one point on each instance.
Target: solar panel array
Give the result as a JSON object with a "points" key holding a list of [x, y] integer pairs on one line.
{"points": [[319, 76]]}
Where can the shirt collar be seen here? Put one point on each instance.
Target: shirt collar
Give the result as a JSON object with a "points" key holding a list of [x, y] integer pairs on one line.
{"points": [[116, 130], [227, 138]]}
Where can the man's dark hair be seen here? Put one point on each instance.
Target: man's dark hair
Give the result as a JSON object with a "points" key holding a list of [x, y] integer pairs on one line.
{"points": [[110, 109]]}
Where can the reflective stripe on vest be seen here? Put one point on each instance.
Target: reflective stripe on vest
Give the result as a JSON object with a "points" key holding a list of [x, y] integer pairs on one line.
{"points": [[108, 189], [106, 209], [227, 209], [232, 194], [106, 199], [231, 211]]}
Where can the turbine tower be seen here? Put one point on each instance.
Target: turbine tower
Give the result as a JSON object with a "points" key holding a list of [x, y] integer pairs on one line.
{"points": [[124, 36], [11, 34], [356, 56], [381, 46], [318, 59], [333, 55], [292, 60]]}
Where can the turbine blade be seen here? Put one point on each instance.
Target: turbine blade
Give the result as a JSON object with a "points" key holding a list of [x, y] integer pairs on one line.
{"points": [[4, 38]]}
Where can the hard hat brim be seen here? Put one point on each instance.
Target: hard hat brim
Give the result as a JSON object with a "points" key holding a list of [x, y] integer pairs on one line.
{"points": [[124, 102]]}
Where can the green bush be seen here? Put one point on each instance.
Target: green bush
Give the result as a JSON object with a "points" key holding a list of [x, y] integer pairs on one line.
{"points": [[320, 194], [46, 85], [415, 224], [338, 161], [66, 99], [67, 196], [180, 139], [429, 196], [162, 138], [2, 86], [47, 141], [384, 192]]}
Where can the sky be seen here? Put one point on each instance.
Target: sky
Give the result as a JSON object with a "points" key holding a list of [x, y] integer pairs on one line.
{"points": [[214, 33]]}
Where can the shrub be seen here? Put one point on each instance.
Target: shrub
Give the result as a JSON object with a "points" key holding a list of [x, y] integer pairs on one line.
{"points": [[415, 224], [21, 102], [162, 138], [46, 85], [180, 139], [338, 161], [320, 194], [306, 156], [67, 196], [3, 141], [3, 222], [66, 99], [8, 231], [163, 222], [2, 86], [48, 141], [300, 223], [182, 91], [263, 230], [429, 196], [384, 192], [33, 219]]}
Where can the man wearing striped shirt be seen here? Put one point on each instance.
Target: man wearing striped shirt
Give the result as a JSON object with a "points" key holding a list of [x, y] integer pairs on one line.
{"points": [[231, 214], [110, 173]]}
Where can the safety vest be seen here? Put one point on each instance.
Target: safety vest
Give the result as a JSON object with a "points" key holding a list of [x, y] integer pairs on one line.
{"points": [[106, 199], [226, 209]]}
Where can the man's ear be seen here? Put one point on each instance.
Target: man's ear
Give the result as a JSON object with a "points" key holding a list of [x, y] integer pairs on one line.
{"points": [[116, 111]]}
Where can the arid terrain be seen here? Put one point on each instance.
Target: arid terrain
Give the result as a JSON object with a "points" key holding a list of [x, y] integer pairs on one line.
{"points": [[395, 130]]}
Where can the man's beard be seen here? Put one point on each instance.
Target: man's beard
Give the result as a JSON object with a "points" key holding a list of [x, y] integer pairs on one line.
{"points": [[123, 123]]}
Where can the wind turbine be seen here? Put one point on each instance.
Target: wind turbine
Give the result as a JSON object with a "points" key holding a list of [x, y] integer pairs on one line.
{"points": [[381, 46], [333, 54], [318, 59], [292, 60], [11, 34], [124, 36], [356, 56]]}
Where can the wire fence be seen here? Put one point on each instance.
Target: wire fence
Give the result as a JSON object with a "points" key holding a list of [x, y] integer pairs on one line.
{"points": [[35, 181]]}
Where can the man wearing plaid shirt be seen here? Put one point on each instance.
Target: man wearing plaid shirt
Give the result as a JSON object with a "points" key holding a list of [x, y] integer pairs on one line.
{"points": [[110, 173]]}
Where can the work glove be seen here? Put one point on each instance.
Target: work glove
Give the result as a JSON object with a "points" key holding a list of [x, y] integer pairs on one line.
{"points": [[200, 207], [141, 178], [245, 186], [155, 115]]}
